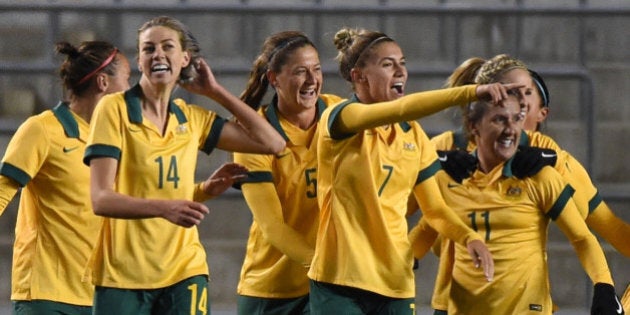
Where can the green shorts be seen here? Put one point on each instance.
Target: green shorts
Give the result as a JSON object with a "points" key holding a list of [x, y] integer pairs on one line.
{"points": [[187, 297], [327, 298], [49, 307], [249, 305]]}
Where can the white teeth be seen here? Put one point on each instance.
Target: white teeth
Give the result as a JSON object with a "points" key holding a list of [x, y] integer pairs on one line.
{"points": [[159, 68], [309, 92], [398, 86]]}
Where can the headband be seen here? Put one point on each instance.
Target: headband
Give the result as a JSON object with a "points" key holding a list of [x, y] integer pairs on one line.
{"points": [[284, 44], [542, 88], [103, 65], [370, 45]]}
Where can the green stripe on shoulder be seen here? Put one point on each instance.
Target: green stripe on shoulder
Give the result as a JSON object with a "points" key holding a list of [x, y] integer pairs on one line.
{"points": [[561, 202], [428, 171], [594, 202], [100, 150], [14, 173], [258, 177], [215, 134]]}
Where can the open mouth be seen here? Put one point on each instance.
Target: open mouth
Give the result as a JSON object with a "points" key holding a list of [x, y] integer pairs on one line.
{"points": [[308, 92], [398, 88], [160, 68]]}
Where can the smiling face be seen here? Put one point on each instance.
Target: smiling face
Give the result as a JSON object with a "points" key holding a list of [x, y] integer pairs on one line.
{"points": [[497, 133], [161, 57], [299, 81], [384, 75], [530, 95]]}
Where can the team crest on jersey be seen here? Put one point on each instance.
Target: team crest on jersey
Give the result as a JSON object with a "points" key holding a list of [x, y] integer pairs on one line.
{"points": [[513, 191], [181, 129], [408, 146]]}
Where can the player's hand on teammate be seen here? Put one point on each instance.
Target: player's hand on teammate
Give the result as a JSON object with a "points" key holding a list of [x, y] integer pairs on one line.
{"points": [[496, 92], [184, 213], [481, 257], [458, 164], [223, 178], [605, 301], [528, 161]]}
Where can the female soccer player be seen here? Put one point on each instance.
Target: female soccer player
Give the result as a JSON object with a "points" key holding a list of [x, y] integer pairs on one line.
{"points": [[282, 189], [56, 228], [142, 152], [535, 97], [512, 214], [371, 156]]}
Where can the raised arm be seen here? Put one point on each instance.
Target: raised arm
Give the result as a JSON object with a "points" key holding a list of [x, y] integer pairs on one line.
{"points": [[250, 126]]}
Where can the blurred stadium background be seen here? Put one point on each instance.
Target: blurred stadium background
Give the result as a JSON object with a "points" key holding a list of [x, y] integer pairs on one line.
{"points": [[581, 47]]}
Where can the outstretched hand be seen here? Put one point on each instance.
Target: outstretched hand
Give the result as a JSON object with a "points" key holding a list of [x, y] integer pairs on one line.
{"points": [[496, 92], [481, 257], [204, 82], [223, 178]]}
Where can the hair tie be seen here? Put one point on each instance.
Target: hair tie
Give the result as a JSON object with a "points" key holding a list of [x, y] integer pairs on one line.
{"points": [[103, 65]]}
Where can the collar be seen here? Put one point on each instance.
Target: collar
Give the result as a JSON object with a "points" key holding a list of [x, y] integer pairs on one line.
{"points": [[133, 98], [271, 112], [69, 124]]}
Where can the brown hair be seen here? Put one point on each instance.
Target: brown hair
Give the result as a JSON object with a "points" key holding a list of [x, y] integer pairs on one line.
{"points": [[355, 46], [81, 63], [186, 39], [274, 54]]}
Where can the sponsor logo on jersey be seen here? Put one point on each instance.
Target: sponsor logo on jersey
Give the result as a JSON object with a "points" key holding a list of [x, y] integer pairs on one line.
{"points": [[535, 307], [69, 149]]}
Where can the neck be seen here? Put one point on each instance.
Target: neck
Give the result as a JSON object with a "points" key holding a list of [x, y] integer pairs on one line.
{"points": [[84, 106]]}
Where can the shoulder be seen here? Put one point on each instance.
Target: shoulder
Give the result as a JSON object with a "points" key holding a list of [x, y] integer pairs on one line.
{"points": [[331, 99], [538, 139]]}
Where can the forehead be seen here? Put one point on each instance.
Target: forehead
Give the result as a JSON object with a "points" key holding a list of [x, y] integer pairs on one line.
{"points": [[158, 34], [517, 75], [388, 49], [302, 55], [510, 105]]}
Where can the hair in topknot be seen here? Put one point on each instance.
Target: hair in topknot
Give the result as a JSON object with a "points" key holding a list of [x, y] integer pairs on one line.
{"points": [[82, 61], [354, 47]]}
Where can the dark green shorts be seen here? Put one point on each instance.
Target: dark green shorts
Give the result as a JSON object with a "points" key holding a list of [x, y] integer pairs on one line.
{"points": [[49, 307], [186, 297], [327, 298], [249, 305]]}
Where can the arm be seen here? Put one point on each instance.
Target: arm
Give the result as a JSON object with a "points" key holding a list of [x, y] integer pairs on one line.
{"points": [[107, 202], [610, 227], [266, 208], [222, 179], [446, 222], [250, 125], [584, 242], [356, 117], [422, 237], [8, 189]]}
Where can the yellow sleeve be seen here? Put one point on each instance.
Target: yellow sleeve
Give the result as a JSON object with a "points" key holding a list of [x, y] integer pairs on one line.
{"points": [[199, 195], [8, 189], [422, 237], [625, 299], [576, 176], [356, 116], [443, 141], [266, 208], [585, 244], [441, 217], [610, 227]]}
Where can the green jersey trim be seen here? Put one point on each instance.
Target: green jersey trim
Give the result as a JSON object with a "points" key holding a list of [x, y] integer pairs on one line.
{"points": [[561, 202], [258, 177], [594, 202], [428, 171], [69, 124], [100, 150], [14, 173]]}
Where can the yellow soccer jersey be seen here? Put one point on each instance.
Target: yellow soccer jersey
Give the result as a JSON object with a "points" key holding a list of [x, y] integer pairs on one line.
{"points": [[56, 228], [512, 215], [149, 253], [362, 238], [282, 195]]}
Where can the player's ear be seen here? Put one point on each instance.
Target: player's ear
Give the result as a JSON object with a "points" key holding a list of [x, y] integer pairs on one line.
{"points": [[102, 81]]}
